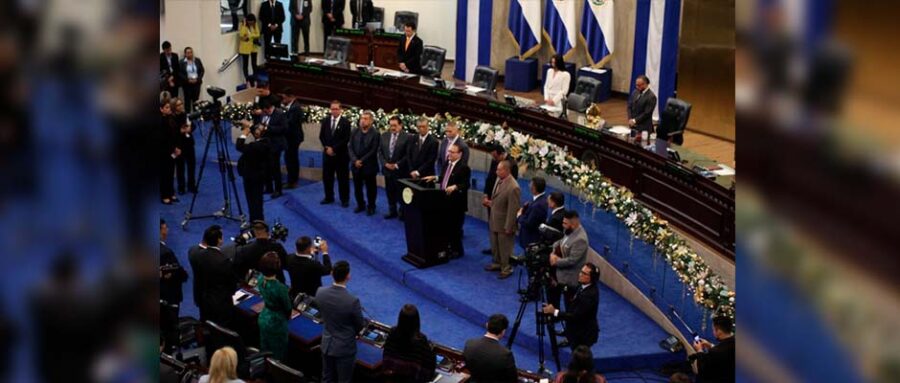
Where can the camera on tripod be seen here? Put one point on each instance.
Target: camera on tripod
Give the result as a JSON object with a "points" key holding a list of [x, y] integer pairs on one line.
{"points": [[208, 110], [279, 232]]}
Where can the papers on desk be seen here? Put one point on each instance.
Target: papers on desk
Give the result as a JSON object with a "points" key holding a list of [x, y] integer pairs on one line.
{"points": [[397, 74], [594, 70], [319, 61], [554, 111], [724, 171], [620, 129], [471, 89], [239, 296]]}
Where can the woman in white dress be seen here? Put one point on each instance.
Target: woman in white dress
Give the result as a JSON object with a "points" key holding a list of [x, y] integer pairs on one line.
{"points": [[557, 85]]}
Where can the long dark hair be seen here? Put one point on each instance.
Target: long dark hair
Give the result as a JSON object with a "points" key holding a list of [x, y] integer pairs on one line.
{"points": [[407, 323], [560, 62], [581, 367]]}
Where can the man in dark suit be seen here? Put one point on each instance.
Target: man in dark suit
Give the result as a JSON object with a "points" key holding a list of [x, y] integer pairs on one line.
{"points": [[455, 182], [393, 155], [332, 17], [498, 153], [305, 271], [556, 204], [342, 319], [171, 277], [300, 10], [422, 151], [641, 105], [253, 167], [194, 254], [271, 18], [581, 314], [533, 214], [451, 136], [168, 68], [219, 282], [487, 359], [247, 257], [362, 11], [334, 134], [190, 77], [716, 363], [293, 135], [363, 151], [409, 53], [275, 126]]}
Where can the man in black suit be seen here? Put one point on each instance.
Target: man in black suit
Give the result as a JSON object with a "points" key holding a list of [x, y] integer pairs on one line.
{"points": [[334, 134], [716, 363], [581, 313], [422, 151], [363, 151], [487, 359], [247, 257], [194, 254], [300, 10], [533, 213], [409, 53], [641, 105], [271, 18], [393, 154], [190, 76], [455, 182], [219, 282], [171, 277], [293, 135], [342, 320], [556, 204], [498, 153], [253, 167], [332, 17], [168, 68], [275, 126], [451, 136], [305, 271], [362, 11]]}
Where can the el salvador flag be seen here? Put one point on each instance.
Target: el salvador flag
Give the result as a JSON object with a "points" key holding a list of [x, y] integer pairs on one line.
{"points": [[473, 36], [598, 29], [525, 26], [657, 26], [559, 25]]}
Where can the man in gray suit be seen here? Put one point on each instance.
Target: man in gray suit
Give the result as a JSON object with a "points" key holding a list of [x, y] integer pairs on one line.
{"points": [[343, 320], [504, 204], [487, 359], [641, 105], [569, 256], [392, 154], [451, 136], [363, 150]]}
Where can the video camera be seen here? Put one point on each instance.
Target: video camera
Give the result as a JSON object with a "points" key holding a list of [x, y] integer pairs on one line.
{"points": [[208, 110], [279, 232], [537, 254]]}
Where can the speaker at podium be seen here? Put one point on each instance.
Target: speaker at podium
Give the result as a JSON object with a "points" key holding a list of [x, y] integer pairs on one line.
{"points": [[424, 210]]}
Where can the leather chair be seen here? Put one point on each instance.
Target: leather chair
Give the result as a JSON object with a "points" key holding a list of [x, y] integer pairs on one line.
{"points": [[250, 360], [432, 61], [673, 120], [378, 15], [586, 91], [403, 17], [486, 77], [280, 373], [337, 48]]}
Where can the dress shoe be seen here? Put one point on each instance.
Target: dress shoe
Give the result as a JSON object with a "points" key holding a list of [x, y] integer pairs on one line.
{"points": [[487, 252], [277, 194], [504, 274], [345, 204], [562, 343], [492, 267], [359, 209], [292, 185], [370, 211], [326, 201], [391, 216]]}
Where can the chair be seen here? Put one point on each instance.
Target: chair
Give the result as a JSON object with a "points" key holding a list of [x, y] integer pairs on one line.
{"points": [[486, 77], [337, 48], [276, 51], [673, 120], [403, 17], [250, 360], [586, 91], [378, 14], [432, 60], [279, 373]]}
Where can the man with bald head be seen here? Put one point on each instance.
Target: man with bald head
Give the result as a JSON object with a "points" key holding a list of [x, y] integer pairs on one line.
{"points": [[641, 105], [504, 204]]}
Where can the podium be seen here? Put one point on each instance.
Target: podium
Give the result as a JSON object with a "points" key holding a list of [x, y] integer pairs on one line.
{"points": [[424, 214]]}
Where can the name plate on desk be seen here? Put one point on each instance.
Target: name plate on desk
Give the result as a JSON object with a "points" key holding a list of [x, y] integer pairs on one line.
{"points": [[587, 132], [309, 68], [389, 35], [443, 92], [371, 77], [501, 107], [350, 32]]}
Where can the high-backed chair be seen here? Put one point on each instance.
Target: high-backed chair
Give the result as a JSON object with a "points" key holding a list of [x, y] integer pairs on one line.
{"points": [[432, 60], [586, 91], [673, 120], [337, 48], [378, 15], [280, 373], [486, 77], [250, 360], [403, 17]]}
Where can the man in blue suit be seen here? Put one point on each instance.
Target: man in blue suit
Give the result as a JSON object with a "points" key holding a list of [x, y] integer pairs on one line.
{"points": [[533, 213], [343, 320]]}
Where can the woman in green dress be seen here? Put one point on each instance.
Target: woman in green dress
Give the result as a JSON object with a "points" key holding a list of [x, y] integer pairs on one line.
{"points": [[273, 320]]}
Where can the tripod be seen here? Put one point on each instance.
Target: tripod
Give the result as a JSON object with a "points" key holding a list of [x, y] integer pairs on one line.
{"points": [[226, 170], [537, 292]]}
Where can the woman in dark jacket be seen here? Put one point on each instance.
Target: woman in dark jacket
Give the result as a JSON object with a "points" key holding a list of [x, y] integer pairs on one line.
{"points": [[408, 356]]}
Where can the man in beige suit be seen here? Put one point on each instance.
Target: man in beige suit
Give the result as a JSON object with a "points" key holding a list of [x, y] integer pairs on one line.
{"points": [[504, 204]]}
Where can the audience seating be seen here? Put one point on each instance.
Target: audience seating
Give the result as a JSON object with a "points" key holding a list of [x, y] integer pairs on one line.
{"points": [[251, 361]]}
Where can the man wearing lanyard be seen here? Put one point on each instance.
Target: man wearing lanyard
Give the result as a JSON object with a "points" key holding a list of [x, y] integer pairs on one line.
{"points": [[191, 74]]}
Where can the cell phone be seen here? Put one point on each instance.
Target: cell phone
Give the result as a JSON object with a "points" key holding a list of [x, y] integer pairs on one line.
{"points": [[318, 241], [696, 338], [371, 335]]}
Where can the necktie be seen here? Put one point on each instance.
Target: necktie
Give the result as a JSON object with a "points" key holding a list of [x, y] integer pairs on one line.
{"points": [[391, 146], [496, 186], [421, 141], [446, 176], [333, 124], [302, 3], [406, 47]]}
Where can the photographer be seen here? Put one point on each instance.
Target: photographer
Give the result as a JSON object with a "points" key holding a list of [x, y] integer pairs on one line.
{"points": [[247, 257], [581, 312], [275, 125], [568, 256], [306, 272], [716, 363], [253, 167]]}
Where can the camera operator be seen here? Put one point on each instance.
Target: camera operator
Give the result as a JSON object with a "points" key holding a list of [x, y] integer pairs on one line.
{"points": [[568, 256], [581, 312], [306, 272], [253, 167], [275, 125], [247, 257], [716, 363]]}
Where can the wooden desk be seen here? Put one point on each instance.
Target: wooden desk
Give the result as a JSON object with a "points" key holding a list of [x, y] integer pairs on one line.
{"points": [[360, 45], [384, 49]]}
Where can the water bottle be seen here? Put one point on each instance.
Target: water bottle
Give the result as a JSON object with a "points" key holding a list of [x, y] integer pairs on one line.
{"points": [[371, 66]]}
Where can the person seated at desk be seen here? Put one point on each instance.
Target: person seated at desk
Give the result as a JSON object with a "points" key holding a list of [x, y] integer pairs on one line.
{"points": [[487, 359], [556, 85], [580, 368], [408, 356], [410, 50], [222, 367]]}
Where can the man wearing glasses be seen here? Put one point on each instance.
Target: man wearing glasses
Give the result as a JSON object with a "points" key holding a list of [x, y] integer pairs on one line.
{"points": [[455, 182], [581, 313]]}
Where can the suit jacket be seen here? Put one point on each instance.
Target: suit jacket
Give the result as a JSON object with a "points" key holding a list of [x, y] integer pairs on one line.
{"points": [[534, 213], [581, 316], [219, 284], [170, 288], [182, 71], [400, 157], [364, 147], [489, 361], [504, 206], [306, 274], [295, 116], [295, 9], [716, 365], [342, 319], [411, 56], [247, 257], [459, 176], [640, 108], [491, 178], [338, 139], [269, 15], [253, 164], [169, 66], [194, 254], [574, 248], [335, 6], [554, 220], [442, 157], [422, 157], [366, 8], [276, 130]]}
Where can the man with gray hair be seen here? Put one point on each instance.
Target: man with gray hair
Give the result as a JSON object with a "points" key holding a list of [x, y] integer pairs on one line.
{"points": [[423, 151], [451, 137], [363, 150]]}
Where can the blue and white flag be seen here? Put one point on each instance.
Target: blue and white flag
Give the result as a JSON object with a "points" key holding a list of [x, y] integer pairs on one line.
{"points": [[560, 27], [473, 36], [657, 26], [598, 29], [525, 26]]}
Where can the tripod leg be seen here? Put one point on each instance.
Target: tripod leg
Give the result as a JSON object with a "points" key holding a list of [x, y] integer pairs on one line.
{"points": [[516, 324], [188, 214], [232, 178], [551, 329]]}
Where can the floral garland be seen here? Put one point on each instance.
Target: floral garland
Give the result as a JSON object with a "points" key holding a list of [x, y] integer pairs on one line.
{"points": [[709, 290]]}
